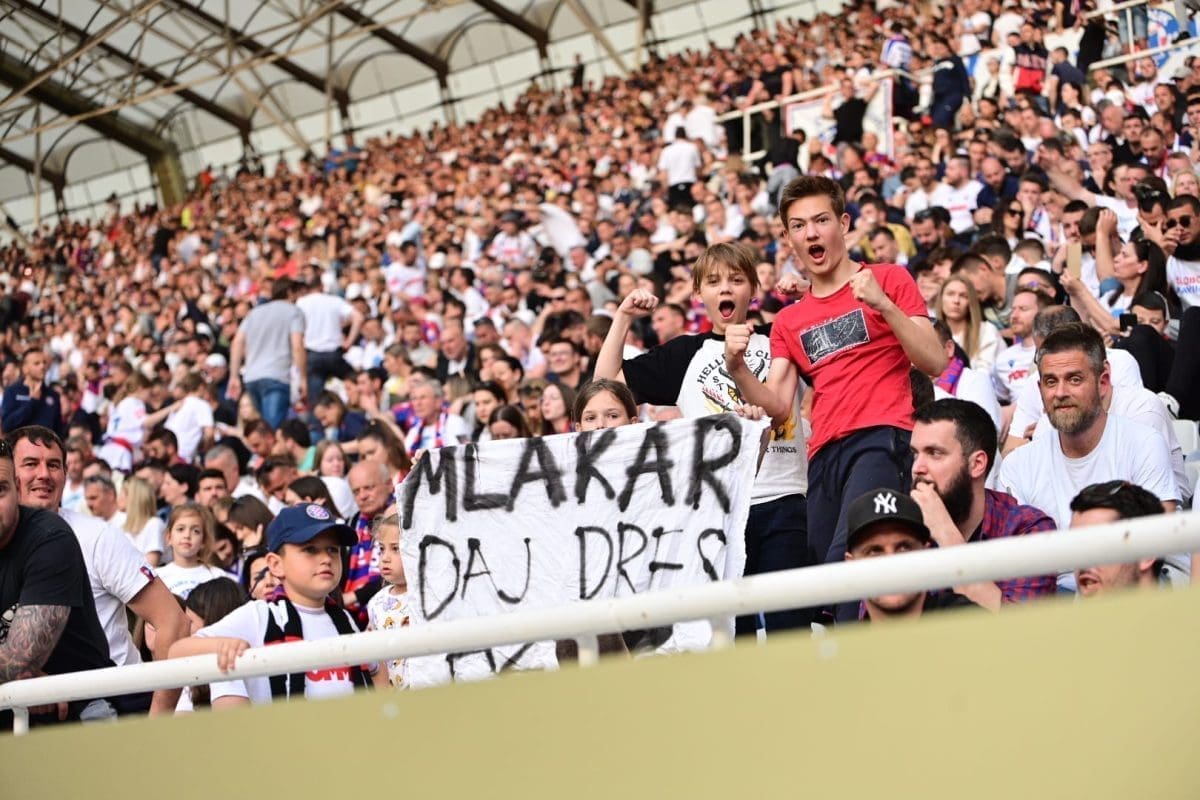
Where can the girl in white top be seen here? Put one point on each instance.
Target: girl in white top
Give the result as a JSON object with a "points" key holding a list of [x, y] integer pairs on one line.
{"points": [[123, 437], [959, 308], [142, 525], [388, 609], [190, 533]]}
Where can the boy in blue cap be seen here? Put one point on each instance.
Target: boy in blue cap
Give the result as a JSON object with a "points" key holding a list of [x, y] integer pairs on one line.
{"points": [[305, 544]]}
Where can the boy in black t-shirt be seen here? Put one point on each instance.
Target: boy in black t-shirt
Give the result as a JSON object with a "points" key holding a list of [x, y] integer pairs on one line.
{"points": [[690, 372], [48, 622]]}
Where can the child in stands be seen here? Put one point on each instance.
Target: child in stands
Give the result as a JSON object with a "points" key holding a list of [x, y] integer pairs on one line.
{"points": [[191, 531], [305, 544], [388, 608]]}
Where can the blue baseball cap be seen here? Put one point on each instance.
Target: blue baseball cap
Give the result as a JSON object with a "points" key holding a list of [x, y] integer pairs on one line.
{"points": [[302, 523]]}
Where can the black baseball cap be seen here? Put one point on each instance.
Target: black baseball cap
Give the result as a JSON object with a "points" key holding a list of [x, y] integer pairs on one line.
{"points": [[883, 505], [302, 523]]}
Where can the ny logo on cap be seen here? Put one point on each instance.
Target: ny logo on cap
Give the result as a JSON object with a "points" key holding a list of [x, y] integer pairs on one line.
{"points": [[885, 503]]}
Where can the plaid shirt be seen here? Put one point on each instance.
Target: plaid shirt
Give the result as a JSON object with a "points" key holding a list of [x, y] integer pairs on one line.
{"points": [[1004, 516]]}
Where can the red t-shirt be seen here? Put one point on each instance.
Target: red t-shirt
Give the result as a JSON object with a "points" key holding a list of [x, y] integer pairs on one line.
{"points": [[848, 352]]}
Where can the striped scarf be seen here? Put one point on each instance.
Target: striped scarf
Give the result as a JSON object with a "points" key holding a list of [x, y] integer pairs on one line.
{"points": [[948, 380], [363, 567]]}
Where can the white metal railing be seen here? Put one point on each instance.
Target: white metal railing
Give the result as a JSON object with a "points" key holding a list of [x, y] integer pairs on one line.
{"points": [[779, 103], [1121, 542]]}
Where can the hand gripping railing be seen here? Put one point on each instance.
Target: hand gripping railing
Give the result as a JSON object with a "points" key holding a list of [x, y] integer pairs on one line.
{"points": [[1124, 541]]}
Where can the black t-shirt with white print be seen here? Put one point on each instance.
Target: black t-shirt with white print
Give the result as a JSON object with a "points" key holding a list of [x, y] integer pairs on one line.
{"points": [[689, 372]]}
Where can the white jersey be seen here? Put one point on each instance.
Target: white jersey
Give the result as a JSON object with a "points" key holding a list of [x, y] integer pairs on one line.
{"points": [[123, 438], [116, 573], [1013, 368], [961, 202]]}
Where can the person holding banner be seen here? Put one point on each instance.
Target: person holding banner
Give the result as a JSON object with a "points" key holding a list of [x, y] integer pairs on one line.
{"points": [[692, 373], [853, 336]]}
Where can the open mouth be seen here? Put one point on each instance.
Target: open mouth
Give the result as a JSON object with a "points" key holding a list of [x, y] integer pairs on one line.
{"points": [[726, 308], [816, 251]]}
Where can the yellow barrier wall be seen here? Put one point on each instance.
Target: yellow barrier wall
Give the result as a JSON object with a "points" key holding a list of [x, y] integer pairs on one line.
{"points": [[1063, 700]]}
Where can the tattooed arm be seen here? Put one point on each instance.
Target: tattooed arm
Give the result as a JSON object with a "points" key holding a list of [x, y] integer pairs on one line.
{"points": [[34, 632]]}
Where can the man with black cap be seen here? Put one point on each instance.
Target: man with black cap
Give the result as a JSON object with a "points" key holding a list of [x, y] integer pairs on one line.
{"points": [[305, 554], [885, 522]]}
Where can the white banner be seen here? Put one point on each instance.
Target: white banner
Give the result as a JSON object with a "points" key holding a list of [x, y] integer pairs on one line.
{"points": [[532, 523]]}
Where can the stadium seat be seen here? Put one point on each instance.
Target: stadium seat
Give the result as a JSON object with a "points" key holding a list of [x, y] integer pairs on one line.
{"points": [[1188, 435]]}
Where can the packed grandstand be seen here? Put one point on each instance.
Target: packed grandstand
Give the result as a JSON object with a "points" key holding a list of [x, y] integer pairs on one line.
{"points": [[951, 253]]}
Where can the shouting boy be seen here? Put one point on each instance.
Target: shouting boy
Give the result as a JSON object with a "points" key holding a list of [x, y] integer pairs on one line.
{"points": [[852, 337], [690, 372]]}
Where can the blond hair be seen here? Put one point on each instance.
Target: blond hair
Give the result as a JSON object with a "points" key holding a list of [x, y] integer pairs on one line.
{"points": [[140, 503]]}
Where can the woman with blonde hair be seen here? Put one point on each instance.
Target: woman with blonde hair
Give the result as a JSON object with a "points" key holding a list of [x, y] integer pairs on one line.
{"points": [[958, 307], [142, 525]]}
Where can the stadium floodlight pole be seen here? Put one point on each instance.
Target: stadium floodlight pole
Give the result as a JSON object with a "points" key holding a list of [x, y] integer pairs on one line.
{"points": [[1120, 542]]}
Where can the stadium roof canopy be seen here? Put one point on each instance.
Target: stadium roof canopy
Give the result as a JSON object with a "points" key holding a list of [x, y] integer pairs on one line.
{"points": [[103, 90]]}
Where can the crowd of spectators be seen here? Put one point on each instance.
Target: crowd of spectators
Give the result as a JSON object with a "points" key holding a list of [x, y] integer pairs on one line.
{"points": [[188, 379]]}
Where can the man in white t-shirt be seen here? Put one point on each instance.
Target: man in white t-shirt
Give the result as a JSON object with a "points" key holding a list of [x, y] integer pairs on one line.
{"points": [[1123, 371], [325, 317], [1090, 445], [679, 164], [118, 575], [1014, 364], [958, 193], [921, 198], [1183, 267]]}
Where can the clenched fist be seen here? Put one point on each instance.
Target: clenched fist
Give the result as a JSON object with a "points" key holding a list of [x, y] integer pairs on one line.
{"points": [[638, 303], [867, 289], [737, 339]]}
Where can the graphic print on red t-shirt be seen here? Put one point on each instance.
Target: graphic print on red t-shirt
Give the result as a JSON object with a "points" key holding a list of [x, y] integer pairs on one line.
{"points": [[834, 336], [851, 356]]}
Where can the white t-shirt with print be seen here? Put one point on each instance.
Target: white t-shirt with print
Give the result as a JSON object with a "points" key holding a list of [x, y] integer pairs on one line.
{"points": [[1184, 277], [388, 611], [249, 623], [1013, 368], [181, 580]]}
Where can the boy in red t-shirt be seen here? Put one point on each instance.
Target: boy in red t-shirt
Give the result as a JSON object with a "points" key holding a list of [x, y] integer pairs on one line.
{"points": [[853, 337]]}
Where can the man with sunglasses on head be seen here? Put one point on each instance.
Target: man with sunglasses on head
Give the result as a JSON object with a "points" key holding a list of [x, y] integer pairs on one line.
{"points": [[1183, 268]]}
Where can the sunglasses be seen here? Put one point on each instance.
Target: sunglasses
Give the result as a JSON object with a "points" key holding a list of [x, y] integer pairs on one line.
{"points": [[1015, 212], [1183, 222]]}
